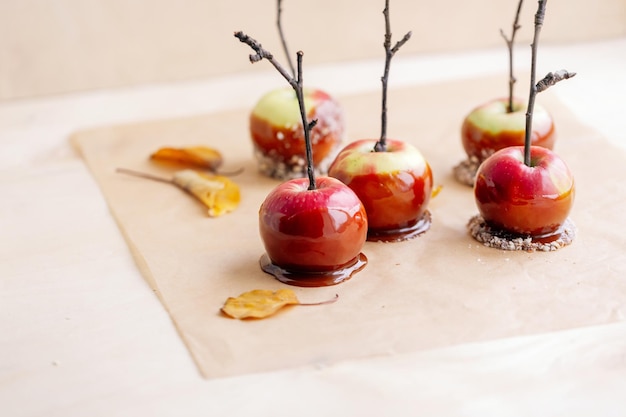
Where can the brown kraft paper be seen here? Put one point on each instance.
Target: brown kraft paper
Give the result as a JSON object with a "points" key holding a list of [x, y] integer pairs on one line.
{"points": [[440, 289]]}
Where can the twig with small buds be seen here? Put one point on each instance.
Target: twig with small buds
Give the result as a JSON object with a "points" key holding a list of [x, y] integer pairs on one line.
{"points": [[537, 87], [381, 144], [297, 84], [510, 42], [282, 35], [552, 78]]}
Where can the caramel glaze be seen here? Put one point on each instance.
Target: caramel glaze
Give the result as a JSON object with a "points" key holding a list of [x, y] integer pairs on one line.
{"points": [[302, 278], [481, 144], [284, 143], [402, 233], [538, 238]]}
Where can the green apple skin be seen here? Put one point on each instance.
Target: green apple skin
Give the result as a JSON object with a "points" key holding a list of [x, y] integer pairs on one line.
{"points": [[490, 127], [525, 200], [276, 126], [395, 186]]}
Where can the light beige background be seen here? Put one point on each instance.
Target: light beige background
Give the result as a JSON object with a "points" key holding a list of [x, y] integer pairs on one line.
{"points": [[49, 47], [83, 334]]}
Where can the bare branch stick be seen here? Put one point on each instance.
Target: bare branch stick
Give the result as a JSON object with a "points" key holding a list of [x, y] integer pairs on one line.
{"points": [[143, 175], [552, 78], [319, 303], [297, 84], [539, 16], [306, 125], [381, 144], [261, 53], [549, 80], [510, 42], [282, 36], [401, 42]]}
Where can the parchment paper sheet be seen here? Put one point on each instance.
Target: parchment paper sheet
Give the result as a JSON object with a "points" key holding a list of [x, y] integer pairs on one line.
{"points": [[440, 289]]}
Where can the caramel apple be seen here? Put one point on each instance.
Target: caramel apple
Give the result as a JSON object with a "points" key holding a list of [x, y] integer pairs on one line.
{"points": [[277, 132], [491, 127], [500, 123], [531, 200], [312, 229], [524, 194], [391, 177], [276, 128], [312, 237], [394, 185]]}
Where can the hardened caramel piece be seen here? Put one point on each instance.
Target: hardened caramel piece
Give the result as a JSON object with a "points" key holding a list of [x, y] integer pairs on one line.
{"points": [[200, 157], [258, 304]]}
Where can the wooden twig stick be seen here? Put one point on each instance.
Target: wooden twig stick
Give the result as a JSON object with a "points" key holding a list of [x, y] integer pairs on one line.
{"points": [[261, 53], [306, 125], [552, 78], [539, 16], [536, 87], [283, 40], [143, 175], [510, 42], [381, 144], [297, 84]]}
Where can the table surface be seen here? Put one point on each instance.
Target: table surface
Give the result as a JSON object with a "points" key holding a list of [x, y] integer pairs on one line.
{"points": [[83, 334]]}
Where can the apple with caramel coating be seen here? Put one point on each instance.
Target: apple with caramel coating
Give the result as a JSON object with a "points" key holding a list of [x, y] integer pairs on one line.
{"points": [[277, 133], [491, 127], [312, 232], [501, 122], [395, 186], [312, 229], [524, 193], [530, 200], [391, 177]]}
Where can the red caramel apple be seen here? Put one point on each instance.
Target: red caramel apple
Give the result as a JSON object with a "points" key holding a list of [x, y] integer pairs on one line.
{"points": [[391, 177], [500, 123], [532, 200], [524, 193], [312, 237], [395, 186], [277, 133], [491, 127], [312, 229]]}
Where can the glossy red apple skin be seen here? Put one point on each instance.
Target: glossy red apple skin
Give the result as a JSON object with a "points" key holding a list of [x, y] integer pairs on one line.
{"points": [[533, 201], [312, 231], [489, 128], [395, 186], [278, 136]]}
